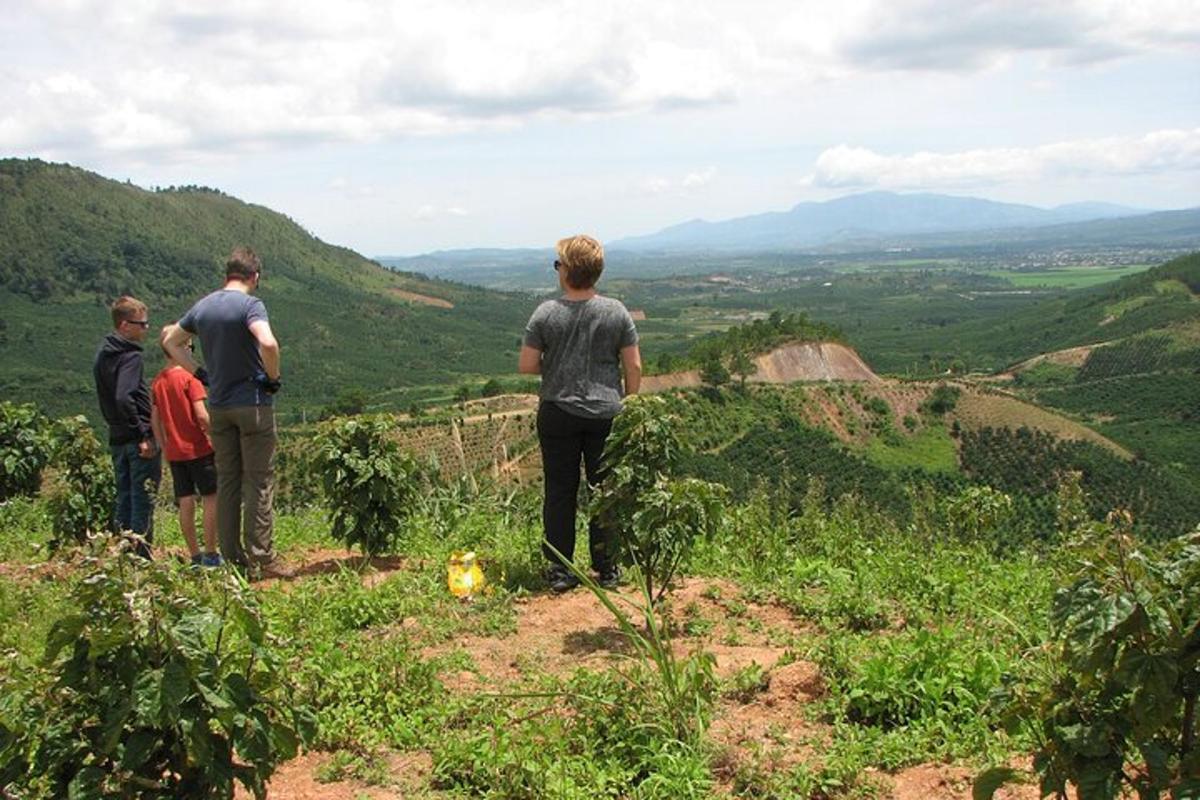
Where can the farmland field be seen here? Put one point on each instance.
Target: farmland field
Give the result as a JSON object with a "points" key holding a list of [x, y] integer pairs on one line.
{"points": [[1068, 277]]}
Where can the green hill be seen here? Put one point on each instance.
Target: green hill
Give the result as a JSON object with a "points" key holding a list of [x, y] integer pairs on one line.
{"points": [[73, 240]]}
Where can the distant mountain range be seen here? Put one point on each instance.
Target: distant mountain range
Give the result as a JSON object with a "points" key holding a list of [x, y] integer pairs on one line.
{"points": [[863, 218]]}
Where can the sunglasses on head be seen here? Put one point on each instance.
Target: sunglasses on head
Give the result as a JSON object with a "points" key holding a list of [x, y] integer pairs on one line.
{"points": [[557, 264]]}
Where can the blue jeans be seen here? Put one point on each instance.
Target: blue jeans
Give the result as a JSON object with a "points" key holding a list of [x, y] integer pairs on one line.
{"points": [[137, 481]]}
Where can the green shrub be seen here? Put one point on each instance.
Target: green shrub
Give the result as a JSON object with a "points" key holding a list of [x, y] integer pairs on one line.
{"points": [[82, 489], [941, 400], [371, 485], [656, 516], [24, 449], [927, 675], [1114, 709], [297, 477], [153, 687]]}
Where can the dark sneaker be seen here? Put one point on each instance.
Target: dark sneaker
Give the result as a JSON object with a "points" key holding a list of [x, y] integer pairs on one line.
{"points": [[197, 560], [609, 577], [561, 579], [210, 560]]}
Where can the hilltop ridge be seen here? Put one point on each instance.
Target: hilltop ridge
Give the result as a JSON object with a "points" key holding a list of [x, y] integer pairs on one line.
{"points": [[74, 240]]}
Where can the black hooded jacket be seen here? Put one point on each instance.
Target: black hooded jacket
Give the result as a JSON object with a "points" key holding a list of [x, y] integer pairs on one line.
{"points": [[124, 398]]}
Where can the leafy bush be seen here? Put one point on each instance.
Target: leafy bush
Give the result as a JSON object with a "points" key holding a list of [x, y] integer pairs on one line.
{"points": [[941, 400], [931, 674], [24, 449], [297, 477], [1115, 708], [82, 490], [153, 687], [370, 483], [656, 517]]}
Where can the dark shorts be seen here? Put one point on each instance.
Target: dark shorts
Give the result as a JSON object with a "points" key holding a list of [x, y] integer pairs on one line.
{"points": [[195, 477]]}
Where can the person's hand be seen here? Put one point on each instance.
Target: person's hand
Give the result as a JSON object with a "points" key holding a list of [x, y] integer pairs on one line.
{"points": [[147, 449], [268, 385], [201, 374]]}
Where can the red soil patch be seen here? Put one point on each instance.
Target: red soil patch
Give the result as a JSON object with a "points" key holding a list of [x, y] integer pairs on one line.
{"points": [[807, 361], [296, 780], [942, 781], [323, 561], [558, 634], [423, 299]]}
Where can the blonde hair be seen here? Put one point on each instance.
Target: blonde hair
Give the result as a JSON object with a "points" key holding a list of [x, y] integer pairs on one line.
{"points": [[126, 307], [583, 259]]}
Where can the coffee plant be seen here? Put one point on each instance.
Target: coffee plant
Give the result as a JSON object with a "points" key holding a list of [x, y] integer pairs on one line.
{"points": [[1115, 711], [24, 449], [82, 489], [153, 686], [371, 485], [656, 515]]}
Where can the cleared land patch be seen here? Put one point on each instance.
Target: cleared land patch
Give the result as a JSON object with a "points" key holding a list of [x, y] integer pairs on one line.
{"points": [[423, 299]]}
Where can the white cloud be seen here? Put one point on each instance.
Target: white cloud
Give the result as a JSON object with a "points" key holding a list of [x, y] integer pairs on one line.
{"points": [[428, 213], [175, 78], [694, 180], [1163, 151], [686, 184]]}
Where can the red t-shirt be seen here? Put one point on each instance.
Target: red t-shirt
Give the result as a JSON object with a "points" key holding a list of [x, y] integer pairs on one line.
{"points": [[175, 390]]}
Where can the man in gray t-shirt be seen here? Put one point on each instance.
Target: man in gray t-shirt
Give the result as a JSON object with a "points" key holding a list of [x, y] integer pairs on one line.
{"points": [[579, 343], [242, 375]]}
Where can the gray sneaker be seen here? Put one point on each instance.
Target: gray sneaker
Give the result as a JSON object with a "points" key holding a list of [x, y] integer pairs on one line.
{"points": [[561, 579], [609, 577]]}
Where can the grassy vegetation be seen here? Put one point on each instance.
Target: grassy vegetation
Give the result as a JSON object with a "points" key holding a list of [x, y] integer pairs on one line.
{"points": [[1069, 277], [380, 661], [930, 448]]}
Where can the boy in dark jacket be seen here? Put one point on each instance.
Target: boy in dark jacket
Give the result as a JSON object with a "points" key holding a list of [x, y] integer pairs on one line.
{"points": [[125, 403]]}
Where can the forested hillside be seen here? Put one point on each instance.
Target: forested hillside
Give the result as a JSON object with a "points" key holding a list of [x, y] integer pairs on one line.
{"points": [[73, 240]]}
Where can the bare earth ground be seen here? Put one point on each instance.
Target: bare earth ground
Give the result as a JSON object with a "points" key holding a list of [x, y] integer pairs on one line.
{"points": [[424, 299], [811, 361], [558, 634]]}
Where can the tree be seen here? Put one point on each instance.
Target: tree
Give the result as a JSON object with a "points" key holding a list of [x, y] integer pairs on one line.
{"points": [[713, 372], [742, 365], [492, 388], [462, 394]]}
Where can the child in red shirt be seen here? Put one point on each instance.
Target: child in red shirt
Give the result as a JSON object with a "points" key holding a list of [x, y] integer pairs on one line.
{"points": [[180, 421]]}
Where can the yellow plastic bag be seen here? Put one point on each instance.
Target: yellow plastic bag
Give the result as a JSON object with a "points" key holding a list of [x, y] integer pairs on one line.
{"points": [[463, 575]]}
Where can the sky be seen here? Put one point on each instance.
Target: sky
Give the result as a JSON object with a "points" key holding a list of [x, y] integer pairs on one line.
{"points": [[398, 128]]}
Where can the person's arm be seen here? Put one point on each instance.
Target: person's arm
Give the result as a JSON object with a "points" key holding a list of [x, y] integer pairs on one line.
{"points": [[174, 340], [631, 361], [156, 424], [129, 380], [268, 347], [530, 361], [200, 411]]}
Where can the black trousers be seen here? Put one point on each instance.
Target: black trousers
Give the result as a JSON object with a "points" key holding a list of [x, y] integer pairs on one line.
{"points": [[565, 439]]}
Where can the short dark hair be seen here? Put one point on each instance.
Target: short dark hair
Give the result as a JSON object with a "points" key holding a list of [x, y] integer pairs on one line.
{"points": [[126, 307], [243, 264]]}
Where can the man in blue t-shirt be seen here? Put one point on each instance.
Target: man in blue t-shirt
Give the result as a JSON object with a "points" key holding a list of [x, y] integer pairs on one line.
{"points": [[242, 378]]}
